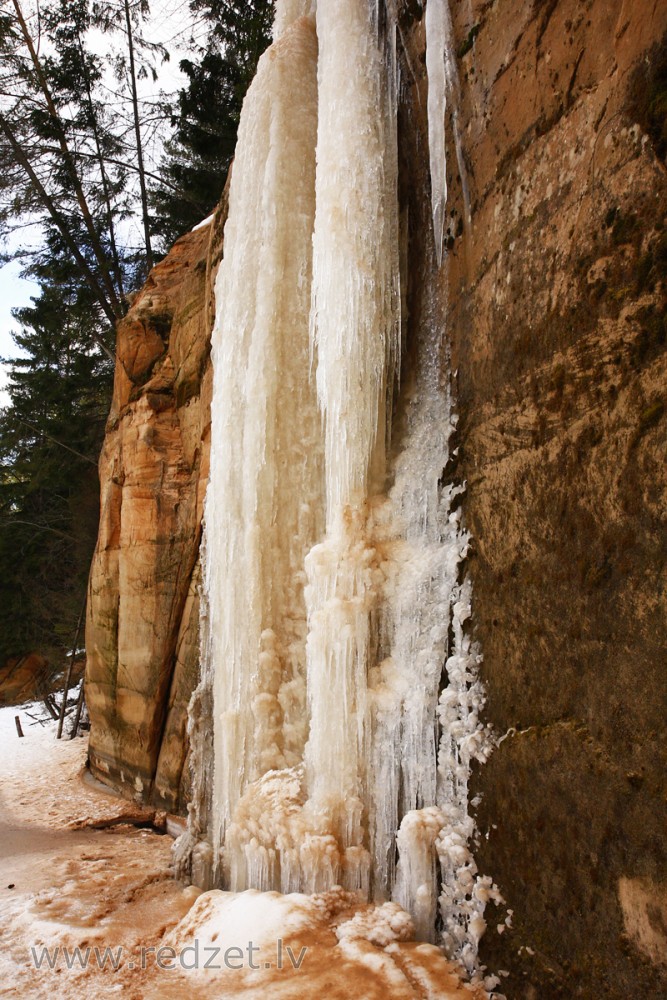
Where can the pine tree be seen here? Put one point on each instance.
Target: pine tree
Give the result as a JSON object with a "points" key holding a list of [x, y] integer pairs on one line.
{"points": [[50, 438], [67, 160], [70, 157], [200, 151]]}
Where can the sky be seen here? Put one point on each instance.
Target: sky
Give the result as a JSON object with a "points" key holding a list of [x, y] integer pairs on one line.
{"points": [[171, 24], [14, 292]]}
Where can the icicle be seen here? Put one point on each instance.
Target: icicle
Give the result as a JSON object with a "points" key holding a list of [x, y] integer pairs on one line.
{"points": [[436, 41], [443, 83]]}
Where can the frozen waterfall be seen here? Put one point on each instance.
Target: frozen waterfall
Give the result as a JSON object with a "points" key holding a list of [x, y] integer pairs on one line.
{"points": [[333, 603]]}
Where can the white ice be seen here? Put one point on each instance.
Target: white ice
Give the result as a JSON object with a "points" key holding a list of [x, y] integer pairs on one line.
{"points": [[332, 591]]}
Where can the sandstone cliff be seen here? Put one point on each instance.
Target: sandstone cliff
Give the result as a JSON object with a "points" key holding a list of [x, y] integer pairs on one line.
{"points": [[557, 323], [142, 630]]}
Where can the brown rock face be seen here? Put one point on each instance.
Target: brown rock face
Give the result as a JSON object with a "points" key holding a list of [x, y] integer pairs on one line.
{"points": [[26, 678], [142, 631], [556, 319]]}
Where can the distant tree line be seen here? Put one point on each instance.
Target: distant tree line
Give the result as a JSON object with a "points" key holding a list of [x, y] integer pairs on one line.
{"points": [[80, 166]]}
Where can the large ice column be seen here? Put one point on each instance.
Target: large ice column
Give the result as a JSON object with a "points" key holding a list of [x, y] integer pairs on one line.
{"points": [[333, 597], [354, 329], [264, 505], [355, 275]]}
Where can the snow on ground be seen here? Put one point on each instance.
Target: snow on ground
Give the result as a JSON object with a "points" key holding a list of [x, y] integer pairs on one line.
{"points": [[72, 887], [108, 892]]}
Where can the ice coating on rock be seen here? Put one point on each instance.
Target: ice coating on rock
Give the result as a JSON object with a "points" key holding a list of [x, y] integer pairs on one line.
{"points": [[331, 564]]}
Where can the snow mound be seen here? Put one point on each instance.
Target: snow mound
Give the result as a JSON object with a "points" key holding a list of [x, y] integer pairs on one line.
{"points": [[258, 944]]}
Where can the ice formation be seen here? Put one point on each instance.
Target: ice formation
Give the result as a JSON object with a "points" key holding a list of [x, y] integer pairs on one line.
{"points": [[331, 565], [443, 84]]}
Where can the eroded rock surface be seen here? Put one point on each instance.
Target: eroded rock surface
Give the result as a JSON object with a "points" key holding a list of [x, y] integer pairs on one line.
{"points": [[557, 315], [142, 631]]}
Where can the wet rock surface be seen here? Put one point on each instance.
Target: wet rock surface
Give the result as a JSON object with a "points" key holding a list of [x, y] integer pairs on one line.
{"points": [[557, 319]]}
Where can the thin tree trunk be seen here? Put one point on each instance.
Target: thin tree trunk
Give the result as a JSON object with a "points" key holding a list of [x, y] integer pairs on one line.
{"points": [[61, 225], [135, 168], [50, 708], [77, 717], [40, 527], [103, 173], [137, 133], [53, 440], [70, 667]]}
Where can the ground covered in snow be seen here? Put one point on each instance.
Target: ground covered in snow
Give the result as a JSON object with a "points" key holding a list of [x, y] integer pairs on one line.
{"points": [[75, 874]]}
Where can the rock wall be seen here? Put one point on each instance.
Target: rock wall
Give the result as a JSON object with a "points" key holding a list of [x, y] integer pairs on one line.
{"points": [[556, 318], [142, 636]]}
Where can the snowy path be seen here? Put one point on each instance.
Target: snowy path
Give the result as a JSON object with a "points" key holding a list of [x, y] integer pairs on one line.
{"points": [[72, 887], [111, 889]]}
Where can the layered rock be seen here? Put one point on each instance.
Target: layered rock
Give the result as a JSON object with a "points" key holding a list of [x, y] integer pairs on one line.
{"points": [[143, 618], [557, 317]]}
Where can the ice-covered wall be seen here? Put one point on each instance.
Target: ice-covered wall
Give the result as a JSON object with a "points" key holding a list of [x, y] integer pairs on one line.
{"points": [[555, 317], [333, 603]]}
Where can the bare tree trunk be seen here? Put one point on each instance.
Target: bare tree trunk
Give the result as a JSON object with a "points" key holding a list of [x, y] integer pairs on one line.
{"points": [[137, 133], [70, 666], [49, 706], [77, 717], [60, 223], [103, 173]]}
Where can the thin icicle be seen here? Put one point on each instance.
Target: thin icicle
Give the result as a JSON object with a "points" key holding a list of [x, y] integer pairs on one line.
{"points": [[443, 86], [437, 13]]}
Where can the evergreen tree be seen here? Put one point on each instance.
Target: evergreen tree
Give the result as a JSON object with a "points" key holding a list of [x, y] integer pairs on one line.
{"points": [[200, 151], [50, 438], [67, 161], [70, 156]]}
